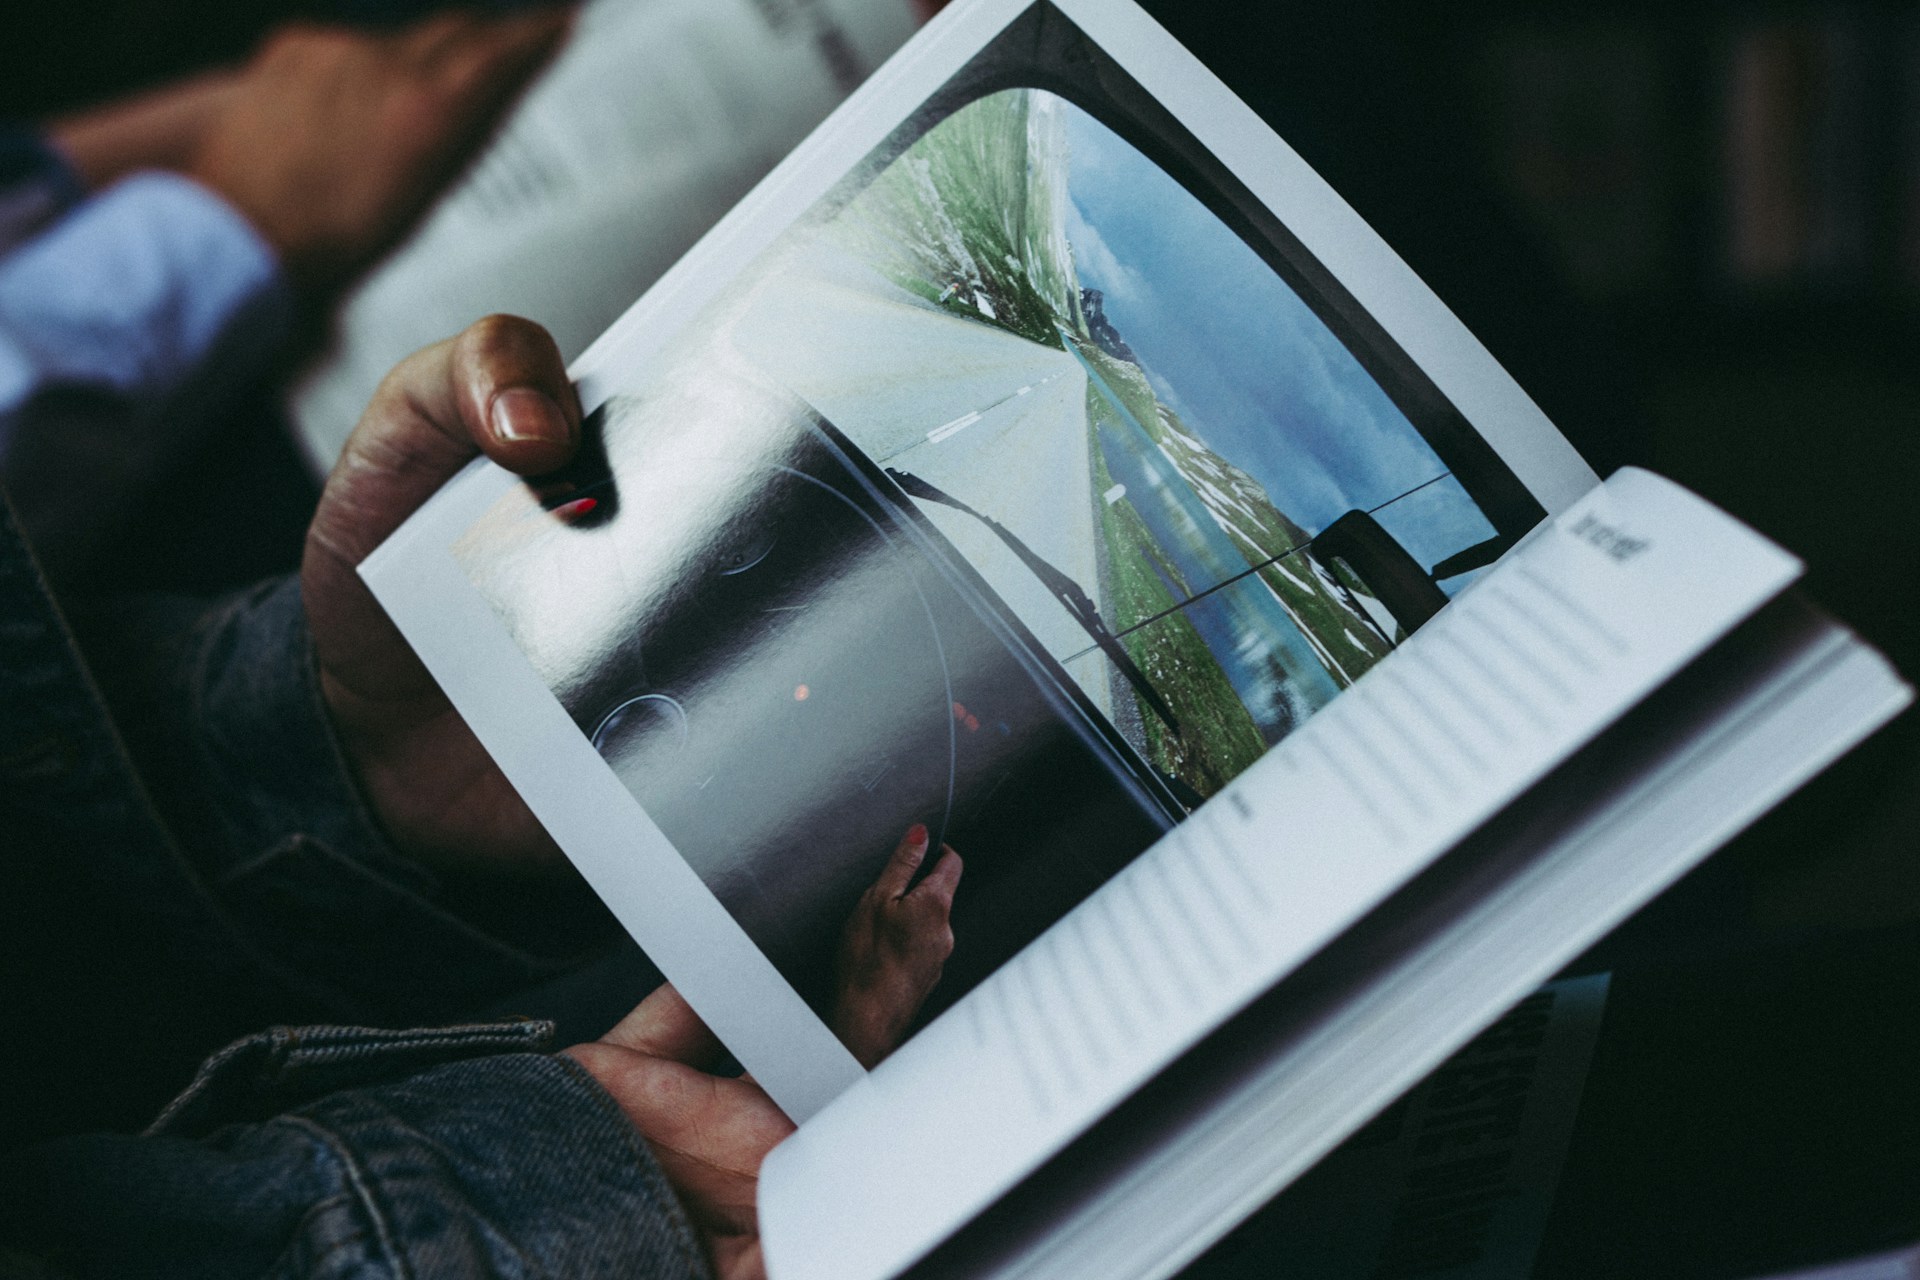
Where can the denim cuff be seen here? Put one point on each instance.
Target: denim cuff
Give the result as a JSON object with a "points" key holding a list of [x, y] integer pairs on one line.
{"points": [[259, 1076], [339, 1153], [516, 1165], [521, 1163]]}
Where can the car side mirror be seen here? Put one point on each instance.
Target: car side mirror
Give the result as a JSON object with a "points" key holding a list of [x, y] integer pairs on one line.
{"points": [[1383, 566]]}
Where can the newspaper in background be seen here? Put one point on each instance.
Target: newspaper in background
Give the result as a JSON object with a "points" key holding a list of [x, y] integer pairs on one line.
{"points": [[658, 116]]}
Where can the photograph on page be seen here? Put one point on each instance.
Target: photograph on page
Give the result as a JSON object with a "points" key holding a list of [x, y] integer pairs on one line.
{"points": [[1023, 493]]}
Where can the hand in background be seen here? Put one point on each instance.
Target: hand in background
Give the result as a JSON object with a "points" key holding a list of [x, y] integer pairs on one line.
{"points": [[160, 129], [893, 949], [500, 387], [710, 1133], [331, 141]]}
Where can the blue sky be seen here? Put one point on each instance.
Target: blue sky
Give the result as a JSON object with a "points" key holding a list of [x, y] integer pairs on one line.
{"points": [[1232, 349]]}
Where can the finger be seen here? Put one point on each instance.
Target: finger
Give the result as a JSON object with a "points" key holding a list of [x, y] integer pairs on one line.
{"points": [[715, 1129], [534, 29], [160, 128], [511, 393], [423, 43], [292, 35], [665, 1026], [906, 859], [498, 386], [491, 61], [941, 882]]}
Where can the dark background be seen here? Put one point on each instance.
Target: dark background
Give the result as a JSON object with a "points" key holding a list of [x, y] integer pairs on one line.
{"points": [[1693, 233]]}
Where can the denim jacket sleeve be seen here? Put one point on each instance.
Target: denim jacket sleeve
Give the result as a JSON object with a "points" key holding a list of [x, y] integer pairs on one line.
{"points": [[324, 1153], [222, 713]]}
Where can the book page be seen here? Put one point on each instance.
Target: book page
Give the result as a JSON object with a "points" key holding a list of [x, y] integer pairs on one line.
{"points": [[1039, 447], [1254, 1106], [1567, 634], [654, 120]]}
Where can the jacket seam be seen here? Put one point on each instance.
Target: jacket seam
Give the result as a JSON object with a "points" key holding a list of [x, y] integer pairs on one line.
{"points": [[647, 1164], [361, 1188]]}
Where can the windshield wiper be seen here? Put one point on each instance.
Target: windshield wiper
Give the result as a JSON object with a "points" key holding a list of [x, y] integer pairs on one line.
{"points": [[1064, 589]]}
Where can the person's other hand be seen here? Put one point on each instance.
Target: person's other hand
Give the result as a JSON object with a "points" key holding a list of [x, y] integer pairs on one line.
{"points": [[710, 1133], [335, 139], [162, 128], [893, 948], [500, 388]]}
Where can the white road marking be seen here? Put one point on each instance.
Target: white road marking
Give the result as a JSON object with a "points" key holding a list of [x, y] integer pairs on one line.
{"points": [[877, 363], [953, 428]]}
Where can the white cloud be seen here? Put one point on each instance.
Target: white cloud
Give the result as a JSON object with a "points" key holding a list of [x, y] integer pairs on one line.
{"points": [[1100, 268]]}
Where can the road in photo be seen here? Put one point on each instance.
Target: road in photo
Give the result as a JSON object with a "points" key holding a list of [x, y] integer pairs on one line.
{"points": [[969, 319], [972, 409]]}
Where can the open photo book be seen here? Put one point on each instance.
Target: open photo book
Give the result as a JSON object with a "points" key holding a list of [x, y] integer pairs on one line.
{"points": [[1044, 465]]}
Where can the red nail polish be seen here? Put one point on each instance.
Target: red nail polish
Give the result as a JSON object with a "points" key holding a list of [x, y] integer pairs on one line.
{"points": [[917, 833]]}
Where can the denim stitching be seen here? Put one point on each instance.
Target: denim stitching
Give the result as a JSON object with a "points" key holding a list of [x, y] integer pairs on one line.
{"points": [[362, 1189], [648, 1165]]}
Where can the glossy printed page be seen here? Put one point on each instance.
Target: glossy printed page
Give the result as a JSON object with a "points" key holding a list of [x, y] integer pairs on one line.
{"points": [[1034, 452]]}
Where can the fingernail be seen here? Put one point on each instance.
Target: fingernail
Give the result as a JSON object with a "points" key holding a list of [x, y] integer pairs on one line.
{"points": [[917, 833], [521, 413]]}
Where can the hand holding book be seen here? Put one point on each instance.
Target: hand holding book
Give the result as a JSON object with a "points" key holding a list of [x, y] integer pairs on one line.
{"points": [[498, 389], [711, 1132]]}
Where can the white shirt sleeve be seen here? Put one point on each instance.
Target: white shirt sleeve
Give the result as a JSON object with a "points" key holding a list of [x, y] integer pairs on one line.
{"points": [[127, 329], [128, 294]]}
